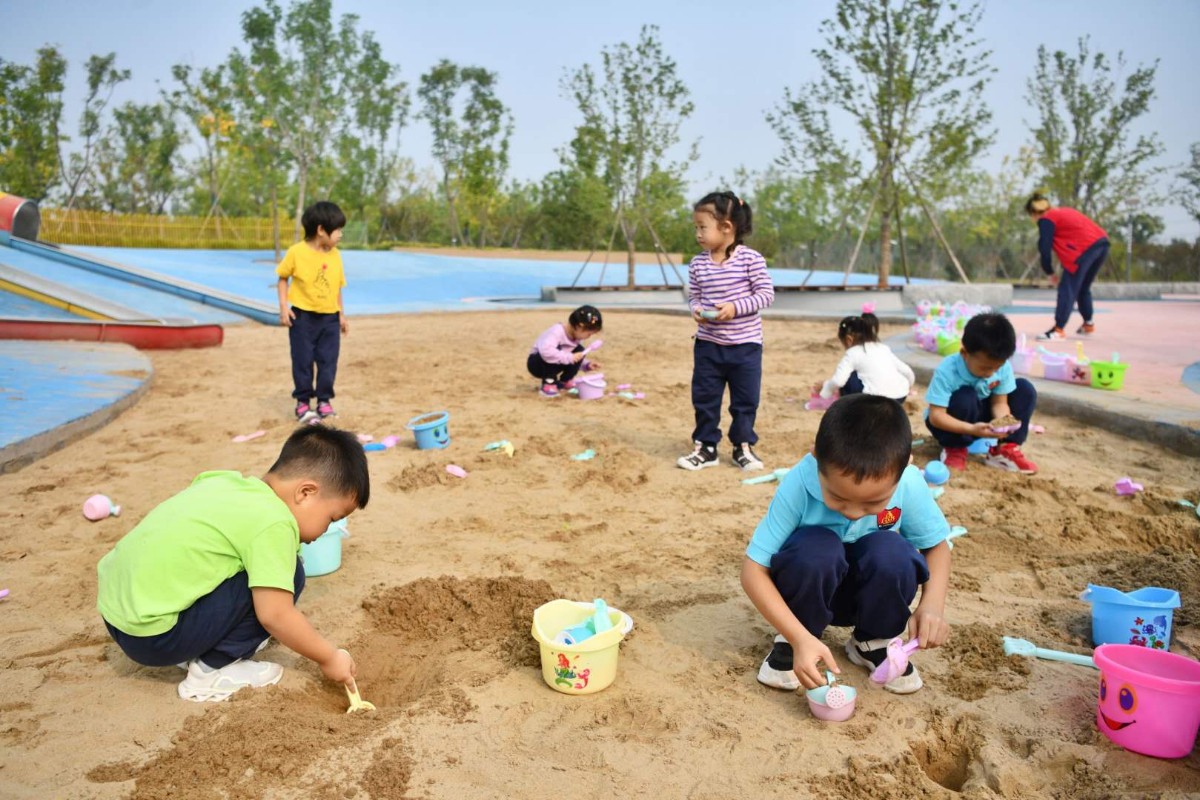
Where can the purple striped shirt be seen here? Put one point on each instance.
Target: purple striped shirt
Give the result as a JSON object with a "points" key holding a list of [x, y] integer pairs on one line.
{"points": [[742, 280]]}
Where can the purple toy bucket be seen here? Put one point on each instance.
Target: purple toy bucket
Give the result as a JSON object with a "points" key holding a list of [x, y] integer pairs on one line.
{"points": [[591, 386], [1149, 700]]}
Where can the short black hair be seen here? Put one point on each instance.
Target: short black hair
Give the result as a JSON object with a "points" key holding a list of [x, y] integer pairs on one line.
{"points": [[587, 317], [330, 456], [990, 334], [323, 214], [864, 436]]}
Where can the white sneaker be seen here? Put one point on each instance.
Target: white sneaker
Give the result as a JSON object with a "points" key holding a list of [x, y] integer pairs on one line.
{"points": [[183, 665], [872, 653], [776, 670], [206, 684]]}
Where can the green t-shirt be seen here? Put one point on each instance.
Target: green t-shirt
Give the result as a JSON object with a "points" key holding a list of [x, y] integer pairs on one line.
{"points": [[222, 524]]}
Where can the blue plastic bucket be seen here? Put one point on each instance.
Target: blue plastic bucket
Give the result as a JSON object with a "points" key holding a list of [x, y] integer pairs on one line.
{"points": [[432, 431], [323, 555], [1141, 618]]}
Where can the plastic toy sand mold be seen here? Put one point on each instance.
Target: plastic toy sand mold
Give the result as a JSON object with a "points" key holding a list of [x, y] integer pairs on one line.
{"points": [[356, 702]]}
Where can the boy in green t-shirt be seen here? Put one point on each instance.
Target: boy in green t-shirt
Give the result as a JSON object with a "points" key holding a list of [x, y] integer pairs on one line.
{"points": [[211, 573]]}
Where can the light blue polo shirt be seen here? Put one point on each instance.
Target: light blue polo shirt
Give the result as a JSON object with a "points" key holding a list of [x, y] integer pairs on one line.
{"points": [[952, 374], [798, 501]]}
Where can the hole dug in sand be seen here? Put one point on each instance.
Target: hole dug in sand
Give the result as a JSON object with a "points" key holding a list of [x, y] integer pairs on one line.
{"points": [[427, 643]]}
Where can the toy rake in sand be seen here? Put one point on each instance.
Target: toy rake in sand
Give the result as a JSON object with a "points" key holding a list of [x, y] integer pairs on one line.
{"points": [[1023, 647]]}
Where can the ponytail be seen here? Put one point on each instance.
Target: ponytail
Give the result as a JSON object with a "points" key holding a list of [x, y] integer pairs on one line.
{"points": [[728, 207], [859, 330], [586, 318]]}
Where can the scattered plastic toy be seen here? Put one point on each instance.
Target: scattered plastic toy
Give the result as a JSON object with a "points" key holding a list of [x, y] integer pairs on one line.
{"points": [[389, 441], [365, 437], [955, 532], [3, 593], [632, 395], [918, 442], [503, 444], [936, 473], [833, 702], [622, 387], [1023, 647], [1037, 429], [1125, 487], [97, 507], [245, 437], [770, 477], [586, 455], [374, 447], [818, 403], [1186, 503], [456, 471], [896, 662]]}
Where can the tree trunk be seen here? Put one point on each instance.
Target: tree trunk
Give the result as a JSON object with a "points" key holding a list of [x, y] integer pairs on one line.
{"points": [[301, 189], [631, 251], [455, 230], [885, 226]]}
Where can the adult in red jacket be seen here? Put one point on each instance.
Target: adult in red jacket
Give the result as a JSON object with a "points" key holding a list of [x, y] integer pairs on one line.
{"points": [[1082, 247]]}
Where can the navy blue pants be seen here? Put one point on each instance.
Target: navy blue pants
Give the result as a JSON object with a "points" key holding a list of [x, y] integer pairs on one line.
{"points": [[715, 366], [867, 584], [965, 405], [315, 339], [553, 373], [218, 629], [1077, 286], [854, 385]]}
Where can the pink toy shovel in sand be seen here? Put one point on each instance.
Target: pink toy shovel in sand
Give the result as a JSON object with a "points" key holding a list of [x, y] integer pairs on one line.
{"points": [[896, 662]]}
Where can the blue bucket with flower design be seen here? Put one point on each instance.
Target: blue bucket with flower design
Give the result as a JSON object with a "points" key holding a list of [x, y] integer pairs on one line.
{"points": [[1141, 618]]}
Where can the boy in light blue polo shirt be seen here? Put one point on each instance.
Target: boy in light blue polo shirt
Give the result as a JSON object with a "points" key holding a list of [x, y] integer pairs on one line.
{"points": [[850, 535], [973, 388]]}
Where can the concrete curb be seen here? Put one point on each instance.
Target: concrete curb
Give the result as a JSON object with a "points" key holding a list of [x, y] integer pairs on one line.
{"points": [[1138, 419]]}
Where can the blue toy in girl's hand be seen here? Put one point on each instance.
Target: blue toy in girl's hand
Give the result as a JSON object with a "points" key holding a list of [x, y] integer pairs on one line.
{"points": [[709, 314]]}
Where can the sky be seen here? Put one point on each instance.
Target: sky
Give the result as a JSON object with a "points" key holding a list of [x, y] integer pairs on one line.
{"points": [[735, 57]]}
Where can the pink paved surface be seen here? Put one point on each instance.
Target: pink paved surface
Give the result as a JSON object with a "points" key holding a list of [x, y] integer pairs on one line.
{"points": [[1157, 339]]}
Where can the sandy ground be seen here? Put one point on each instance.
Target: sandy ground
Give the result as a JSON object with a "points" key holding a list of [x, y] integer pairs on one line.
{"points": [[440, 577]]}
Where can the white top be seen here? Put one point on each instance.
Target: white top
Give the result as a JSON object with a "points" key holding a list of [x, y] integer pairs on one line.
{"points": [[877, 367]]}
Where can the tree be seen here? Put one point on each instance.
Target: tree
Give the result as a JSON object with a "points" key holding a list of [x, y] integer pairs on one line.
{"points": [[136, 163], [1189, 193], [470, 140], [30, 116], [634, 110], [1084, 136], [206, 101], [102, 79], [910, 77]]}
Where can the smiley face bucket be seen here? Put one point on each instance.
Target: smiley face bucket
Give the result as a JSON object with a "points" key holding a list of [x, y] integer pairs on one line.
{"points": [[1149, 700]]}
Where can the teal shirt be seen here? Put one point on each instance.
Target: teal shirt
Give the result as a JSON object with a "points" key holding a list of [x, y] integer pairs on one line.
{"points": [[952, 374], [798, 502], [223, 524]]}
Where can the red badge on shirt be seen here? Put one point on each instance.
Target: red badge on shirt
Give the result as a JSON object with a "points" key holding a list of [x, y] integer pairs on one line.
{"points": [[888, 518]]}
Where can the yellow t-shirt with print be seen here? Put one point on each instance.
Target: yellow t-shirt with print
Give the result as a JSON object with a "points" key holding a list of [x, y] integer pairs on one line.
{"points": [[316, 277]]}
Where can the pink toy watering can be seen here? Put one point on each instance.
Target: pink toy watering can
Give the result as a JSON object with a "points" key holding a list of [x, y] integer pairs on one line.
{"points": [[98, 507]]}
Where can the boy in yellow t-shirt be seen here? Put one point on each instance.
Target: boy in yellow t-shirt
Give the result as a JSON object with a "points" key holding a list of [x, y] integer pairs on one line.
{"points": [[311, 307], [212, 572]]}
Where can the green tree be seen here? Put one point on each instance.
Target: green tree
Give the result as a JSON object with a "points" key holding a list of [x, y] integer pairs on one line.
{"points": [[1189, 189], [205, 99], [471, 130], [30, 116], [1084, 137], [634, 109], [576, 203], [910, 75], [102, 80], [136, 164]]}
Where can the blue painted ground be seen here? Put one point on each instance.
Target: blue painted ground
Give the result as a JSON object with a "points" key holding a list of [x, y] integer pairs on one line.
{"points": [[1191, 377], [14, 305], [154, 304], [386, 282], [47, 384]]}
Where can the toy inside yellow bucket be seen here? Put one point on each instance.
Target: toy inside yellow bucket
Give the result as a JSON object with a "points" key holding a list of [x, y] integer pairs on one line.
{"points": [[581, 667]]}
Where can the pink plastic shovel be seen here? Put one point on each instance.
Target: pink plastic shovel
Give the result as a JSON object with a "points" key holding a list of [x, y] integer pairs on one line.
{"points": [[896, 662]]}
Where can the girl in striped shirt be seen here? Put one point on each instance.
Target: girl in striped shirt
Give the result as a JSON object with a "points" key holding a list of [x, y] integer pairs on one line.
{"points": [[728, 285]]}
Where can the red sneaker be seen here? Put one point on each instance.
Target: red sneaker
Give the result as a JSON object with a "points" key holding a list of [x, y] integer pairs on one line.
{"points": [[1009, 456], [955, 458]]}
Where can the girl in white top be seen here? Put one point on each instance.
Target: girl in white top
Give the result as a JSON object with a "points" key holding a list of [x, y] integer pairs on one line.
{"points": [[869, 365]]}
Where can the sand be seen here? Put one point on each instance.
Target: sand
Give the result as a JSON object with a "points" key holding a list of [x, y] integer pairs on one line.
{"points": [[441, 574]]}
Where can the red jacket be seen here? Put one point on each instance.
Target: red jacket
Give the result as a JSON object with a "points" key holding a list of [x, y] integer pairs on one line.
{"points": [[1073, 235]]}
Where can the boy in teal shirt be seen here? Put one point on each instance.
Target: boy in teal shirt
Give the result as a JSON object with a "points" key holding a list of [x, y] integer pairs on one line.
{"points": [[849, 537], [211, 573], [974, 387]]}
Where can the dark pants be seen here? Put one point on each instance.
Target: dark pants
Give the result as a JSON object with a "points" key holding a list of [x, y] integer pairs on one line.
{"points": [[553, 373], [315, 338], [714, 366], [1077, 286], [965, 405], [218, 629], [854, 385], [868, 584]]}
